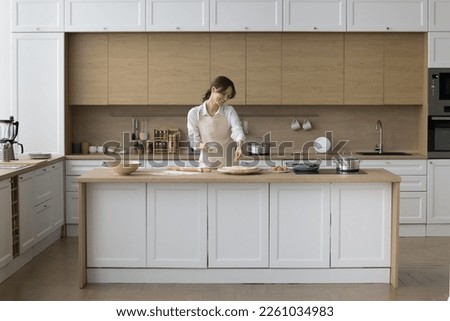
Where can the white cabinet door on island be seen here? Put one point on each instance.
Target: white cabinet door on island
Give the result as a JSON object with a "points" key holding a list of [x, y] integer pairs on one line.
{"points": [[176, 225], [238, 220], [299, 225], [116, 225], [367, 206]]}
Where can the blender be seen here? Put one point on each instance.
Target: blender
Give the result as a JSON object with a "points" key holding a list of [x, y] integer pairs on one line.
{"points": [[8, 133]]}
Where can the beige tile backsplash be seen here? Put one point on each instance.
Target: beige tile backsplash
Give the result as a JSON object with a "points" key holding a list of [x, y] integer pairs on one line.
{"points": [[98, 124]]}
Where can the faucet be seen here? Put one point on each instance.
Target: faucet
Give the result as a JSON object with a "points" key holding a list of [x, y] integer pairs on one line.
{"points": [[379, 146]]}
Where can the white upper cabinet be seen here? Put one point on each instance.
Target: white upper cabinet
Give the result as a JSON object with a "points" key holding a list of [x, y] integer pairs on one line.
{"points": [[439, 49], [314, 15], [246, 15], [387, 15], [178, 15], [105, 15], [38, 90], [37, 15], [439, 11]]}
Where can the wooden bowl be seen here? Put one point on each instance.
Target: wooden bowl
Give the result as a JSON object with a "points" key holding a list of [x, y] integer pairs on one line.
{"points": [[126, 168]]}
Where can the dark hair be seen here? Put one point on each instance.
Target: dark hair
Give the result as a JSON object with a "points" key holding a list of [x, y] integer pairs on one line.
{"points": [[221, 84]]}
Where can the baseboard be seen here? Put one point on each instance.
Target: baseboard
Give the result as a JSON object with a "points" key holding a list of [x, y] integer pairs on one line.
{"points": [[72, 230], [412, 230], [438, 230]]}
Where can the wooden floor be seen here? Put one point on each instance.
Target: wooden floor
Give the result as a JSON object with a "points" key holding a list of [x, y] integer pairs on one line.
{"points": [[424, 275]]}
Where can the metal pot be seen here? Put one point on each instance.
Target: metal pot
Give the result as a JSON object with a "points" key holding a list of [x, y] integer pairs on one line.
{"points": [[258, 148], [347, 164]]}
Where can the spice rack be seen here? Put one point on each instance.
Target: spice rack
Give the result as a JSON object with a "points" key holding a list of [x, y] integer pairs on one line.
{"points": [[166, 141]]}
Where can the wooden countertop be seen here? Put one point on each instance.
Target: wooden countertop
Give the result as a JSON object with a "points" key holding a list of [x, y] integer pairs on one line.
{"points": [[106, 175], [31, 164], [273, 156]]}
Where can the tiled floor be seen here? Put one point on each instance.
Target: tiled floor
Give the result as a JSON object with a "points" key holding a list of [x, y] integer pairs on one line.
{"points": [[423, 275]]}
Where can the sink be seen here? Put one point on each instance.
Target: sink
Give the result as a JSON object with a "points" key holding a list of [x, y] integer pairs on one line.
{"points": [[13, 165], [384, 153]]}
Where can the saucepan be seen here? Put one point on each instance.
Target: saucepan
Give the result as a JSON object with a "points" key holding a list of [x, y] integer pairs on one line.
{"points": [[347, 164], [258, 148]]}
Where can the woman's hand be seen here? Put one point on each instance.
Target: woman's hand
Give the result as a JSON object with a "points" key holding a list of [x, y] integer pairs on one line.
{"points": [[238, 153]]}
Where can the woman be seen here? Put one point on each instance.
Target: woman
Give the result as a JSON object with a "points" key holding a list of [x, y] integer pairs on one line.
{"points": [[213, 126]]}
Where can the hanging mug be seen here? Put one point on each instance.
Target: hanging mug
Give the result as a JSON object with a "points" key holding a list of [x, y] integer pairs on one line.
{"points": [[306, 125], [295, 125]]}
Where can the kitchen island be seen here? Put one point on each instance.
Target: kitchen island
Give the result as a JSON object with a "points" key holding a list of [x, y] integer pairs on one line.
{"points": [[162, 226]]}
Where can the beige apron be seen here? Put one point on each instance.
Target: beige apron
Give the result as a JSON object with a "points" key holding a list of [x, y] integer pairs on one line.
{"points": [[215, 129]]}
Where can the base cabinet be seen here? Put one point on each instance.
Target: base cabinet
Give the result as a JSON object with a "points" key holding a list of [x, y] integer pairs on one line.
{"points": [[299, 225], [438, 200], [6, 252], [413, 192], [57, 183], [238, 232], [45, 210], [367, 206], [176, 225], [74, 168], [26, 210], [238, 219], [116, 225]]}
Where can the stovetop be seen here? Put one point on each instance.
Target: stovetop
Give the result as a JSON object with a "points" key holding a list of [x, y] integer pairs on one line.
{"points": [[328, 171]]}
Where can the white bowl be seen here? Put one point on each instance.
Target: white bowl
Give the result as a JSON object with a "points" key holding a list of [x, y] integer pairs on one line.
{"points": [[126, 168]]}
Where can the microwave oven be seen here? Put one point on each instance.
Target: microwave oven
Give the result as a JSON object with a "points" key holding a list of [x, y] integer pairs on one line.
{"points": [[439, 91]]}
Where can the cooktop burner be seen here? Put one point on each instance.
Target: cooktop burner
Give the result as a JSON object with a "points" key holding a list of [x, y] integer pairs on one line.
{"points": [[328, 171]]}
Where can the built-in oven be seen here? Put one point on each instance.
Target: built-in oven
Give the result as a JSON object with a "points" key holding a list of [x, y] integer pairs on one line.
{"points": [[439, 136], [439, 91]]}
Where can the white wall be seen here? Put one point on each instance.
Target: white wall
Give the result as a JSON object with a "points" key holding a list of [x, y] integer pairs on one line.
{"points": [[5, 59]]}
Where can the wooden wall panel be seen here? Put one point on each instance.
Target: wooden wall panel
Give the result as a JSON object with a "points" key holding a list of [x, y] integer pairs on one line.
{"points": [[403, 68], [228, 58], [313, 68], [363, 69], [128, 71], [178, 67], [263, 68], [88, 69]]}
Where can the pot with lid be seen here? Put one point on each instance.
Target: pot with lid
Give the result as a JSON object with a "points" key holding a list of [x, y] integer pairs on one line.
{"points": [[347, 164], [258, 148]]}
